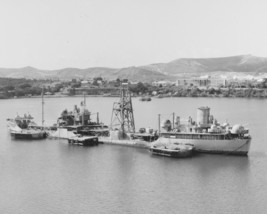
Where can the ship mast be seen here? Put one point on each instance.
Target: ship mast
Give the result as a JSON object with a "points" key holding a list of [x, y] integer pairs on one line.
{"points": [[43, 107], [84, 103]]}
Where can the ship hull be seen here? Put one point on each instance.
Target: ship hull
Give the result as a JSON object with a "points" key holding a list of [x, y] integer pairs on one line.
{"points": [[233, 146], [26, 133], [29, 136]]}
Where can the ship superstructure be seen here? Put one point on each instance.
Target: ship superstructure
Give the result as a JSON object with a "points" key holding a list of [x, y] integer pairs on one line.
{"points": [[78, 122]]}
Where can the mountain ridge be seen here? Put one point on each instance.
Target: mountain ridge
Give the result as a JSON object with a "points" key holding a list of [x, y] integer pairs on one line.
{"points": [[242, 64]]}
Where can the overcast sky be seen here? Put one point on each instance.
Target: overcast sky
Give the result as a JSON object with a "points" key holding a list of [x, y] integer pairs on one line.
{"points": [[53, 34]]}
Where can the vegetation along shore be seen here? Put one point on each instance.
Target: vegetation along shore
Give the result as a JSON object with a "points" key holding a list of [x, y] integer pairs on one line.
{"points": [[20, 88]]}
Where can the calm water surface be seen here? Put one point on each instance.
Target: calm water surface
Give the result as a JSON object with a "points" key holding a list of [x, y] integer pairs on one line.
{"points": [[50, 176]]}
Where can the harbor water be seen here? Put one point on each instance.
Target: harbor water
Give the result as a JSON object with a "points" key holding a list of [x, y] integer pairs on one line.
{"points": [[51, 176]]}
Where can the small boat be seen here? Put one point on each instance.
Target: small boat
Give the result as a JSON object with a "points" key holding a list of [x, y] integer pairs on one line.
{"points": [[175, 150], [25, 128], [145, 99], [83, 140]]}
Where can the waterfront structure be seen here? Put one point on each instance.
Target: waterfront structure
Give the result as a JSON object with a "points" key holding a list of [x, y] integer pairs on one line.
{"points": [[203, 81], [122, 124], [122, 114], [95, 90], [85, 84], [162, 83]]}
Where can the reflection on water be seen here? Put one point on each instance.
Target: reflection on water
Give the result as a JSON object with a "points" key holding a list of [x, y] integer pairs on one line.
{"points": [[51, 176]]}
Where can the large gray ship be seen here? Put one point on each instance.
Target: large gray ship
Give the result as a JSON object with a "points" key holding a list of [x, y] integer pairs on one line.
{"points": [[206, 134]]}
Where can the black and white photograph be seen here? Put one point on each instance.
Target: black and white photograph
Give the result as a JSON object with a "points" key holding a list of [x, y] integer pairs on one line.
{"points": [[133, 106]]}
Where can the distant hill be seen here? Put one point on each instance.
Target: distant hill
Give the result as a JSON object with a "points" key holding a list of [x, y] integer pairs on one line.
{"points": [[243, 64], [63, 74], [131, 73]]}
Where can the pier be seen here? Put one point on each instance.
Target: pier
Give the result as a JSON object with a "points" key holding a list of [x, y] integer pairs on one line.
{"points": [[125, 142]]}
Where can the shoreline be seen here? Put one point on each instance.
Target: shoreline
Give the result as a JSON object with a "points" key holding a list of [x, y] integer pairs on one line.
{"points": [[152, 97]]}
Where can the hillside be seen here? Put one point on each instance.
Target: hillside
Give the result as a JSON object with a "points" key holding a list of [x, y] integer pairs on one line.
{"points": [[243, 65], [131, 73]]}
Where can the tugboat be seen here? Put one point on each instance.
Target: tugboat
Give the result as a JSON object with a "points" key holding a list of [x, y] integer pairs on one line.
{"points": [[206, 134], [175, 150], [25, 128]]}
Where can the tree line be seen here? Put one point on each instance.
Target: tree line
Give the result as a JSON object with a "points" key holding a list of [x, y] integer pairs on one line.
{"points": [[10, 88]]}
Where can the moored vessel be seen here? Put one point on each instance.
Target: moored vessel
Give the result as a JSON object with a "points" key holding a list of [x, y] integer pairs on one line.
{"points": [[207, 135], [25, 128], [146, 98], [79, 121], [83, 140], [82, 120], [175, 150]]}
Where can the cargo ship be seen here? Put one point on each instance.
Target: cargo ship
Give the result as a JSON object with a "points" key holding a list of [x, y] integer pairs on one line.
{"points": [[206, 134]]}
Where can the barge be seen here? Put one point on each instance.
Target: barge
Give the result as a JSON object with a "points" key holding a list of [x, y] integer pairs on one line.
{"points": [[83, 140], [175, 150]]}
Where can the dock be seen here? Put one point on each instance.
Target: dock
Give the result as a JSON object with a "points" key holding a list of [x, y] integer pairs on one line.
{"points": [[125, 142]]}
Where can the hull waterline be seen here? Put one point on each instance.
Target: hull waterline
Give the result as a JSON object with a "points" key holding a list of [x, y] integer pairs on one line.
{"points": [[233, 146]]}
